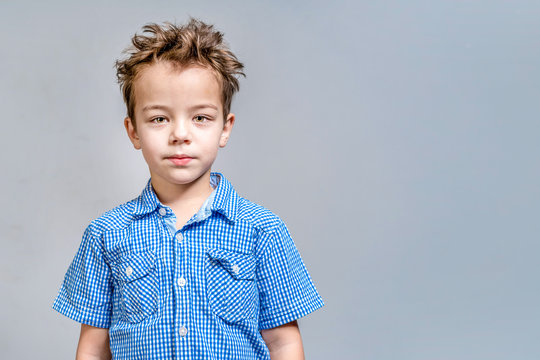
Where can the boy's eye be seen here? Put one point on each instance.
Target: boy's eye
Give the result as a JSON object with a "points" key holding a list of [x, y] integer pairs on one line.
{"points": [[200, 118], [159, 120]]}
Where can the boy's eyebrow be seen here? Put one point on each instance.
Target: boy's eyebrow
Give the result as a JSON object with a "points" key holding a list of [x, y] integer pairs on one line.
{"points": [[155, 107], [202, 106]]}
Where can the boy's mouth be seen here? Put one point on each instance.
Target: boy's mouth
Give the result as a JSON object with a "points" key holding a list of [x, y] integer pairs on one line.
{"points": [[180, 159]]}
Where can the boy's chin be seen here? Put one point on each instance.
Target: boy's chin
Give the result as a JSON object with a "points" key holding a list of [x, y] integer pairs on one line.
{"points": [[185, 180]]}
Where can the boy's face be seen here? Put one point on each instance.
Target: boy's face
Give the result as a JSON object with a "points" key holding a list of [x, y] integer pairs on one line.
{"points": [[179, 122]]}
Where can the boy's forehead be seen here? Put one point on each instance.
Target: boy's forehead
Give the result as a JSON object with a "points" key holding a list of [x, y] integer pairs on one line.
{"points": [[168, 82], [167, 70]]}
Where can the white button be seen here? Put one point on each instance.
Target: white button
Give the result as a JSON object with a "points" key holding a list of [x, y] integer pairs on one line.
{"points": [[179, 237], [181, 282], [235, 269], [182, 331], [129, 271], [162, 211]]}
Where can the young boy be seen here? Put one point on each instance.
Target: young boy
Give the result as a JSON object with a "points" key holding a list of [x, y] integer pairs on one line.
{"points": [[188, 269]]}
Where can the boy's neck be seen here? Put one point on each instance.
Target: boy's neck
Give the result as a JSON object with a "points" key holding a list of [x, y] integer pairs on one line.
{"points": [[174, 195]]}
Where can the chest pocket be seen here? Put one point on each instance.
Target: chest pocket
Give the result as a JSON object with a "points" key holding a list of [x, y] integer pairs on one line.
{"points": [[138, 281], [230, 285]]}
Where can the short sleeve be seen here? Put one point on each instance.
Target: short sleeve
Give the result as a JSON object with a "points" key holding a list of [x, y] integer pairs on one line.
{"points": [[286, 292], [86, 293]]}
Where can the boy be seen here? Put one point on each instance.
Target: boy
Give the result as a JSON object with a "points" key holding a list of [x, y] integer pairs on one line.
{"points": [[189, 269]]}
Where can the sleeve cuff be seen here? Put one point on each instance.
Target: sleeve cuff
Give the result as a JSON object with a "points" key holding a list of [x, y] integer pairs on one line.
{"points": [[97, 317], [285, 316]]}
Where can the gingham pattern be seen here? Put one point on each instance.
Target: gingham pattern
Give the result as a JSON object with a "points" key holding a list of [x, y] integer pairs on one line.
{"points": [[202, 292]]}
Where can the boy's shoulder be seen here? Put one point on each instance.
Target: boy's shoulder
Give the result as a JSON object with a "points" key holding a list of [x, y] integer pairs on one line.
{"points": [[116, 218], [241, 209], [257, 215]]}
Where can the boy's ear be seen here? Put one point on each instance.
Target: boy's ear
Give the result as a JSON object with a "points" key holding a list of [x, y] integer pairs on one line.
{"points": [[227, 128], [132, 133]]}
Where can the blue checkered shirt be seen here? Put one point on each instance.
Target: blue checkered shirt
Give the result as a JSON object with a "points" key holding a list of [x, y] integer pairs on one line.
{"points": [[201, 292]]}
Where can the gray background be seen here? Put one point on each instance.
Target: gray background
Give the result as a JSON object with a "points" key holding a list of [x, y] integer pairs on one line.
{"points": [[397, 139]]}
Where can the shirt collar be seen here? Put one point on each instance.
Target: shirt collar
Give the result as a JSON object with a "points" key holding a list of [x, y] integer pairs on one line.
{"points": [[225, 199], [147, 201]]}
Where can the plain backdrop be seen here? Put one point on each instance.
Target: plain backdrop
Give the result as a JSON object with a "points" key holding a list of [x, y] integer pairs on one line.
{"points": [[399, 141]]}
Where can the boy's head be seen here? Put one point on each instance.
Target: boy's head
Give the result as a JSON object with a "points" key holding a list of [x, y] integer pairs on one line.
{"points": [[193, 44], [178, 84]]}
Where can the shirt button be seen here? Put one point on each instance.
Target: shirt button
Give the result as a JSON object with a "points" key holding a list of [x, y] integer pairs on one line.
{"points": [[182, 331], [181, 282], [235, 269], [179, 237], [162, 211], [129, 271]]}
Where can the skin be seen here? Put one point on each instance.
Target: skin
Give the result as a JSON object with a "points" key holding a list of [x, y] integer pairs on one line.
{"points": [[179, 111], [284, 342], [93, 344]]}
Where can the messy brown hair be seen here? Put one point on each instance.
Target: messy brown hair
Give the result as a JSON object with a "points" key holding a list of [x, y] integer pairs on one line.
{"points": [[194, 43]]}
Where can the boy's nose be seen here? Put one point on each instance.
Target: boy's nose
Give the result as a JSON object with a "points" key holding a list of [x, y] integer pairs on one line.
{"points": [[180, 132]]}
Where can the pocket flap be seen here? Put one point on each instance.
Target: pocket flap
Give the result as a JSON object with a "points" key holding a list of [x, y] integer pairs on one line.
{"points": [[240, 266], [134, 266]]}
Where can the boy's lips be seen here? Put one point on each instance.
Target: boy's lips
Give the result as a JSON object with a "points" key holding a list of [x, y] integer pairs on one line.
{"points": [[180, 159]]}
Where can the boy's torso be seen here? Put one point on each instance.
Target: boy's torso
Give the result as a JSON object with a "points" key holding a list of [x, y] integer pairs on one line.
{"points": [[204, 291]]}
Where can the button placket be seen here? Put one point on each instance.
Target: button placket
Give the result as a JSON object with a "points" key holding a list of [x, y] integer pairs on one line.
{"points": [[181, 247]]}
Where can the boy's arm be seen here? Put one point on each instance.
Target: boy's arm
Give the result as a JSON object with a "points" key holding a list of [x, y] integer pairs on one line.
{"points": [[284, 342], [93, 344]]}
